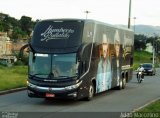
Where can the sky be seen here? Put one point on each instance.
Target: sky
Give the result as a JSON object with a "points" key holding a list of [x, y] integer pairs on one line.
{"points": [[145, 12]]}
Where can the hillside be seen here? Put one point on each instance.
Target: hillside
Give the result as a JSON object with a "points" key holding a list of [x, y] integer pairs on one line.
{"points": [[147, 30]]}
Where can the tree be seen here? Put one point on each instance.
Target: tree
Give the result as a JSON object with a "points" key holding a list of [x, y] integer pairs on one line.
{"points": [[17, 34], [26, 24], [16, 29], [140, 42]]}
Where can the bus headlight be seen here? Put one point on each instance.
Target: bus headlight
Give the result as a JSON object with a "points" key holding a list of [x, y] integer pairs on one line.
{"points": [[73, 86], [27, 82]]}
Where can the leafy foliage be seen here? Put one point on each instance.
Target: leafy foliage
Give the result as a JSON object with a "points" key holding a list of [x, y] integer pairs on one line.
{"points": [[140, 42], [26, 24], [16, 29]]}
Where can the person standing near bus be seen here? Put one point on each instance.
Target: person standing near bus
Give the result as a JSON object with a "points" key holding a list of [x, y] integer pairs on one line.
{"points": [[104, 79]]}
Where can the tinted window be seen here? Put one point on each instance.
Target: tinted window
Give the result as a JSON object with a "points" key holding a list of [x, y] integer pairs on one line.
{"points": [[147, 65]]}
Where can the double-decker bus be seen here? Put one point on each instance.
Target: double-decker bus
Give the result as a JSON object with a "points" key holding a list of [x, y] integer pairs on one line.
{"points": [[76, 58]]}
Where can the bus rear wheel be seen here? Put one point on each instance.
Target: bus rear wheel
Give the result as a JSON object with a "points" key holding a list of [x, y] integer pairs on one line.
{"points": [[120, 84], [124, 83]]}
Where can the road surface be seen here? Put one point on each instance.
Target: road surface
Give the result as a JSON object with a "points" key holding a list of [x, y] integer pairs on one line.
{"points": [[132, 97]]}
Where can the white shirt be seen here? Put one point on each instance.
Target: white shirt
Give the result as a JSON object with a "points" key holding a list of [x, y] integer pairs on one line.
{"points": [[140, 69]]}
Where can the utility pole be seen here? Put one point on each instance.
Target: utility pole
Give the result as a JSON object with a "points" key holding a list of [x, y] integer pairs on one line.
{"points": [[129, 16], [153, 61], [134, 24], [153, 54]]}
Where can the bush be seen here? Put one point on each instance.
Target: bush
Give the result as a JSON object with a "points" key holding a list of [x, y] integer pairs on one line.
{"points": [[141, 57], [19, 62], [22, 61]]}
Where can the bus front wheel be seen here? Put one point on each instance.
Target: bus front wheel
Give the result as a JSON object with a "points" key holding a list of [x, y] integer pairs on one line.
{"points": [[90, 92]]}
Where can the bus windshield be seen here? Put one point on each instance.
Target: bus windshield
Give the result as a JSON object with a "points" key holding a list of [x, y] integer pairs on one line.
{"points": [[57, 65]]}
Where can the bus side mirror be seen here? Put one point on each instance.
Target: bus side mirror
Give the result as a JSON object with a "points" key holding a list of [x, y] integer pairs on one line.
{"points": [[21, 52]]}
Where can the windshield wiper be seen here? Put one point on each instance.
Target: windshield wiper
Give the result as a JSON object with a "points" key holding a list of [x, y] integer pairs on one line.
{"points": [[37, 74], [64, 76]]}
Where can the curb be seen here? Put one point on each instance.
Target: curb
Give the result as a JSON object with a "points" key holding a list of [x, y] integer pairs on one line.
{"points": [[12, 90], [150, 102]]}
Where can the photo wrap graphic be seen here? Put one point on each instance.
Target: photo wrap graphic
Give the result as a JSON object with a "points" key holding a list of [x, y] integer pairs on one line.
{"points": [[60, 33]]}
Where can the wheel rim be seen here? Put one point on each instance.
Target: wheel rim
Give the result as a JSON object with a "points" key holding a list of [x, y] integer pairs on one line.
{"points": [[124, 82], [120, 84]]}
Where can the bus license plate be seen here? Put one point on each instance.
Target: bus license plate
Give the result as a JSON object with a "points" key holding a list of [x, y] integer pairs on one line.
{"points": [[51, 95]]}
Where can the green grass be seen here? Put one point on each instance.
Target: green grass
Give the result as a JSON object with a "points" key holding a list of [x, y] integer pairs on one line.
{"points": [[12, 77], [153, 107], [150, 111], [141, 57]]}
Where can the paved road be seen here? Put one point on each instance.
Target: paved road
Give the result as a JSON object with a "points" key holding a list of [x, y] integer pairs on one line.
{"points": [[134, 96]]}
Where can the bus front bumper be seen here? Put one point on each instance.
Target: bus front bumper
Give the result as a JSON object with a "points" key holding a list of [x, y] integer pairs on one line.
{"points": [[69, 92]]}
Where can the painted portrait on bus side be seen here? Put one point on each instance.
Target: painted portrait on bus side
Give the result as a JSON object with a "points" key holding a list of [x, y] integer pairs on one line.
{"points": [[104, 77], [116, 60], [127, 48], [128, 42]]}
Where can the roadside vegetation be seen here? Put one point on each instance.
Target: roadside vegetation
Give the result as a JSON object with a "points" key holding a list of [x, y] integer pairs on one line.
{"points": [[153, 107], [150, 111], [12, 77], [141, 57], [21, 29]]}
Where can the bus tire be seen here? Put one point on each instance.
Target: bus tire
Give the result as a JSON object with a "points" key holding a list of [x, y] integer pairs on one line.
{"points": [[123, 83], [91, 92], [120, 84]]}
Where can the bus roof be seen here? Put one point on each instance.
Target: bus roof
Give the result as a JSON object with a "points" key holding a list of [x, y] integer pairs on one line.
{"points": [[87, 20]]}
